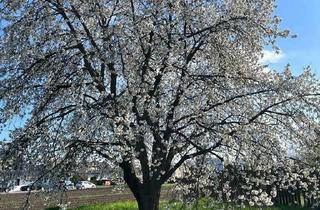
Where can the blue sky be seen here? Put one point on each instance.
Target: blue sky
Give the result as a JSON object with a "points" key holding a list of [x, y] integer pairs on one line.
{"points": [[301, 17]]}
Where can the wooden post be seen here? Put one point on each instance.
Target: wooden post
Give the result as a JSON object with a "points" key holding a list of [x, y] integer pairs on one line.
{"points": [[302, 204]]}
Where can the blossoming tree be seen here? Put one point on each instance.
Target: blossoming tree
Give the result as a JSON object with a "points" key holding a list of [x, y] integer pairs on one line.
{"points": [[146, 84]]}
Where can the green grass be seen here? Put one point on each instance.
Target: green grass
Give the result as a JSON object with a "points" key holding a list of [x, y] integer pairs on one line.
{"points": [[130, 205], [202, 204], [52, 208]]}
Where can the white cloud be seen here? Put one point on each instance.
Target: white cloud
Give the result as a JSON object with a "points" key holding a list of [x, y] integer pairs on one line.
{"points": [[271, 57]]}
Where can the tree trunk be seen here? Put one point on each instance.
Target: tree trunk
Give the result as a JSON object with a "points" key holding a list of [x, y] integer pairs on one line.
{"points": [[149, 197], [146, 194]]}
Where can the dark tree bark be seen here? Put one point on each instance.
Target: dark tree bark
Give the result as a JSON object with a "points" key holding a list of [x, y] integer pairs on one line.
{"points": [[147, 194]]}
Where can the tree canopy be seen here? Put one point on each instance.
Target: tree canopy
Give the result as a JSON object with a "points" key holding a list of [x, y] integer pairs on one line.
{"points": [[147, 85]]}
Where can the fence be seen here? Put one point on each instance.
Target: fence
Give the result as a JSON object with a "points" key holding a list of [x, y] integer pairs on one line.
{"points": [[296, 198]]}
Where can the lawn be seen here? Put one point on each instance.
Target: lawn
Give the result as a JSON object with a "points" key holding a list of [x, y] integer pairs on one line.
{"points": [[202, 205]]}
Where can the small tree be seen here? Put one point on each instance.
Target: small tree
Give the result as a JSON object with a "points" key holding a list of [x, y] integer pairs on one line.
{"points": [[145, 84]]}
